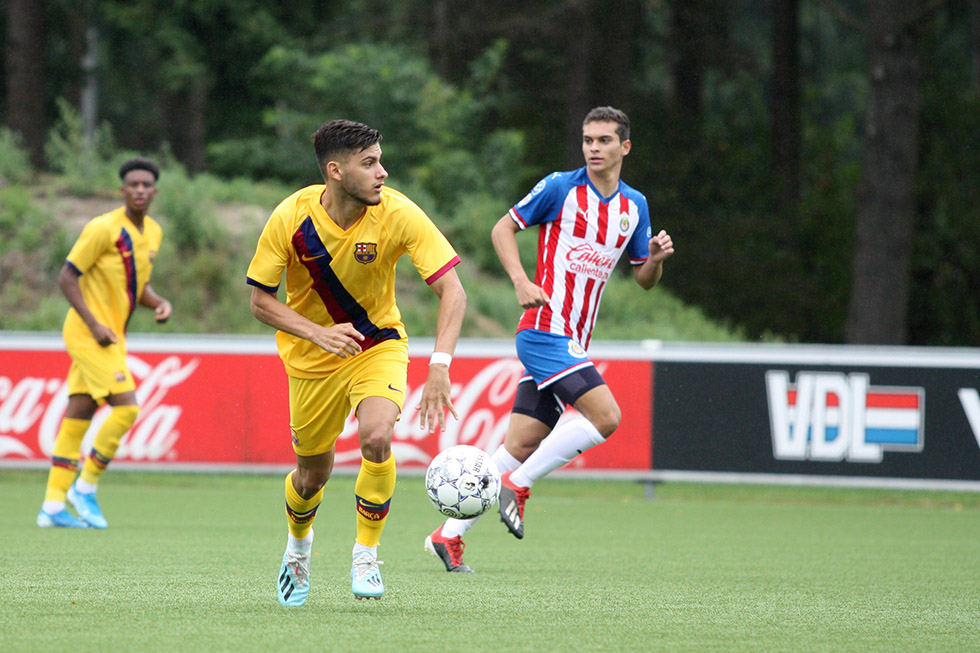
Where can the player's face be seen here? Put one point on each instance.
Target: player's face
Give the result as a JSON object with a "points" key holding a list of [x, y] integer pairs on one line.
{"points": [[602, 148], [138, 190], [363, 175]]}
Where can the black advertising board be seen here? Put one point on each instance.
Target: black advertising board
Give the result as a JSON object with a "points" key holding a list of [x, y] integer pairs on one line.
{"points": [[881, 413]]}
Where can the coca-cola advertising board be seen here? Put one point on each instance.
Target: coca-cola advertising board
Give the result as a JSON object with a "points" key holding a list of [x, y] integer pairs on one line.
{"points": [[222, 401]]}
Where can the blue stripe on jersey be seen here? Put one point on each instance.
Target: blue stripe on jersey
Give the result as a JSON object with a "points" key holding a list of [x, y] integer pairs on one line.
{"points": [[124, 245], [338, 301]]}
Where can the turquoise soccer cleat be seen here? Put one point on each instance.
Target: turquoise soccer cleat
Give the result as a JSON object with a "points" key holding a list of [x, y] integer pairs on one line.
{"points": [[366, 577], [294, 578], [87, 507], [63, 519]]}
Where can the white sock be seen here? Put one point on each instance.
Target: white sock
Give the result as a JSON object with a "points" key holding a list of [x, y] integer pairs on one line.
{"points": [[564, 443], [360, 548], [52, 507], [296, 544], [505, 463], [84, 487]]}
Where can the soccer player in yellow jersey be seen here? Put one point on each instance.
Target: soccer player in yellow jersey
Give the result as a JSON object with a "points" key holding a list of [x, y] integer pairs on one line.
{"points": [[341, 338], [105, 276]]}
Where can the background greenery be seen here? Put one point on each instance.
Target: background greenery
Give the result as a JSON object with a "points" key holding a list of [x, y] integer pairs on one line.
{"points": [[188, 563], [475, 105], [211, 225]]}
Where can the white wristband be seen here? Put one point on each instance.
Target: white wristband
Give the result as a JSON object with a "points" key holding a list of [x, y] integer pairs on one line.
{"points": [[441, 358]]}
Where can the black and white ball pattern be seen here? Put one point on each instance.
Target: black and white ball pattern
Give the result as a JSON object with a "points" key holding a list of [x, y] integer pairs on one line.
{"points": [[462, 482]]}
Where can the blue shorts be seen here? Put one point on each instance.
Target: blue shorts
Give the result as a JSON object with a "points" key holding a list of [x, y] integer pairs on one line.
{"points": [[548, 357]]}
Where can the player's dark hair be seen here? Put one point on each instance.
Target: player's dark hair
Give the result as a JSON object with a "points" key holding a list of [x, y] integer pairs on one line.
{"points": [[608, 114], [341, 138], [139, 163]]}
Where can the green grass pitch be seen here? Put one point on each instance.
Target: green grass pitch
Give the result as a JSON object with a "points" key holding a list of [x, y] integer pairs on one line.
{"points": [[189, 564]]}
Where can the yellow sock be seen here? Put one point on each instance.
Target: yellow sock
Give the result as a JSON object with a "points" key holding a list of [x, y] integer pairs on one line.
{"points": [[64, 458], [300, 512], [373, 489], [107, 441]]}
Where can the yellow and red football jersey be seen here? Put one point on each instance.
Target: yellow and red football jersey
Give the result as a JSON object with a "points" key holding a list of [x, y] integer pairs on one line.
{"points": [[115, 260], [335, 276]]}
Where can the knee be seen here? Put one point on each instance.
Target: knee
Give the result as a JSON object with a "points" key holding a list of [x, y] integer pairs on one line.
{"points": [[376, 441], [126, 414], [607, 421], [307, 482], [521, 450]]}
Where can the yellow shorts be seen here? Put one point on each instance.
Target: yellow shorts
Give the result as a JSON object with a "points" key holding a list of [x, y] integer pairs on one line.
{"points": [[99, 372], [318, 408]]}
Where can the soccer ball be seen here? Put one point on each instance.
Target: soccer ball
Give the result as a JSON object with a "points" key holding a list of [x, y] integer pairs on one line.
{"points": [[462, 482]]}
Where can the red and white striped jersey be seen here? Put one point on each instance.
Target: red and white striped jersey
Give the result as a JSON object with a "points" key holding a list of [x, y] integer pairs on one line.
{"points": [[581, 237]]}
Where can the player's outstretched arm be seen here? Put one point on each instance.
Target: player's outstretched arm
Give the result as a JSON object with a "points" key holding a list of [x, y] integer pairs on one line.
{"points": [[504, 237], [648, 274], [436, 392], [162, 308], [68, 282], [341, 339]]}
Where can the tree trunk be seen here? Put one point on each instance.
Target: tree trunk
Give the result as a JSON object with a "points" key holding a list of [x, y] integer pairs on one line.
{"points": [[577, 91], [616, 56], [439, 38], [688, 62], [885, 210], [186, 124], [975, 44], [24, 72], [784, 154]]}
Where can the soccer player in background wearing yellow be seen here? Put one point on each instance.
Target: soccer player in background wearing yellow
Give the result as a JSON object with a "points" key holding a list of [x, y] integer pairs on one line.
{"points": [[106, 274], [341, 338]]}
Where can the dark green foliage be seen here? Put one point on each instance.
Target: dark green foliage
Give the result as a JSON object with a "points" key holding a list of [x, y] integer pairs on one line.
{"points": [[478, 101], [946, 273]]}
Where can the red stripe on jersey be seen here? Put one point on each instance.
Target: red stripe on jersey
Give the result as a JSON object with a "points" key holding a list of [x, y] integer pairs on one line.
{"points": [[619, 242], [542, 252], [624, 204], [595, 312], [586, 301], [566, 308], [600, 236], [515, 215], [581, 224], [548, 260], [443, 270]]}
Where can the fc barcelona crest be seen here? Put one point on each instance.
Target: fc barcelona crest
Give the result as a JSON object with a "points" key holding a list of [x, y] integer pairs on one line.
{"points": [[365, 252]]}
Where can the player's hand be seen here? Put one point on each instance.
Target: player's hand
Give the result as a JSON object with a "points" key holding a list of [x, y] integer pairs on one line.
{"points": [[530, 295], [162, 312], [341, 339], [435, 400], [104, 335], [661, 246]]}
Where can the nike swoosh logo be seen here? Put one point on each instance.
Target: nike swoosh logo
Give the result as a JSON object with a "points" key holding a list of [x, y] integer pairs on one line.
{"points": [[307, 259], [391, 387]]}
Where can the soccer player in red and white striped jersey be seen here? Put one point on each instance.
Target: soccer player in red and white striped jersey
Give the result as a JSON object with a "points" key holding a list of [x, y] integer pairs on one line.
{"points": [[586, 220]]}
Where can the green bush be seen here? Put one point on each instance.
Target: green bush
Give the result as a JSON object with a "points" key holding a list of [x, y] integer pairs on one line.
{"points": [[187, 205], [15, 164], [86, 168]]}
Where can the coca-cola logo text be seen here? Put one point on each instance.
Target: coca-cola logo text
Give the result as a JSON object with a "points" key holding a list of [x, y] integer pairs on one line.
{"points": [[37, 402]]}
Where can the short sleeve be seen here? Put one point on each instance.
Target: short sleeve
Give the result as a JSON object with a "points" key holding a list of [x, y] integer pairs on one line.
{"points": [[271, 255], [543, 203], [94, 240], [638, 247], [429, 249]]}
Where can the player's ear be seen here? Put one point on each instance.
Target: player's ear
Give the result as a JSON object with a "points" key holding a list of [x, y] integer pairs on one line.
{"points": [[627, 144], [333, 171]]}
